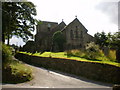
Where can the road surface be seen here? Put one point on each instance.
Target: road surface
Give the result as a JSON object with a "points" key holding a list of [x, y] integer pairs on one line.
{"points": [[50, 79]]}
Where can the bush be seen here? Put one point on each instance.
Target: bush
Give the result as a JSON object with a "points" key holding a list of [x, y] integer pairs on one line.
{"points": [[13, 71], [91, 51], [92, 47], [112, 55], [16, 72], [6, 53], [75, 52], [58, 40]]}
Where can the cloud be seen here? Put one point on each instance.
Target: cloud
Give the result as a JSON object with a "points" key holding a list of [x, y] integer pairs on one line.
{"points": [[16, 41], [110, 9]]}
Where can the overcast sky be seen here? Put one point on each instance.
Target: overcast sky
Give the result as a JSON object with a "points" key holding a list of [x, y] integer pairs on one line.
{"points": [[95, 15]]}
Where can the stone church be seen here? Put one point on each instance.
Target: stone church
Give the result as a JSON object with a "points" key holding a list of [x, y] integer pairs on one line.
{"points": [[75, 34]]}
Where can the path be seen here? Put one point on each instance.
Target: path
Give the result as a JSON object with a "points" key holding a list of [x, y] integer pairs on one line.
{"points": [[49, 79]]}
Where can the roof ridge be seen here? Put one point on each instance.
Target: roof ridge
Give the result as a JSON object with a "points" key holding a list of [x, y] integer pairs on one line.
{"points": [[76, 19]]}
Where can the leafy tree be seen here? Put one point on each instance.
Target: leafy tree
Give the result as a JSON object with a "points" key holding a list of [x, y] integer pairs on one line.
{"points": [[110, 40], [18, 19], [101, 39], [29, 46], [116, 44], [116, 40], [58, 39]]}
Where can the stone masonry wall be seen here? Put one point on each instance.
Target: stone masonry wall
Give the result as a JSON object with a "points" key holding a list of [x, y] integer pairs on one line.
{"points": [[95, 71]]}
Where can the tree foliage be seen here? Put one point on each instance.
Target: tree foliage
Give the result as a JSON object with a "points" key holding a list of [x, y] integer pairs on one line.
{"points": [[101, 39], [115, 40], [18, 19], [116, 44], [58, 39], [109, 40]]}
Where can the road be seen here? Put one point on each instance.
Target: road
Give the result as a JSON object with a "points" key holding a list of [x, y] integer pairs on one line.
{"points": [[50, 79]]}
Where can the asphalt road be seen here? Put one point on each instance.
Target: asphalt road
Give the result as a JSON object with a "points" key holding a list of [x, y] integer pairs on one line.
{"points": [[50, 79]]}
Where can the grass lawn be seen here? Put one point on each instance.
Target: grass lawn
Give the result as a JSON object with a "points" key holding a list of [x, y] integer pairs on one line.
{"points": [[64, 55], [21, 68], [13, 71], [20, 71]]}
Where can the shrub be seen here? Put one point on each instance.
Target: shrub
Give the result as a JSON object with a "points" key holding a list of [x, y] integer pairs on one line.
{"points": [[13, 71], [58, 40], [16, 72], [68, 53], [6, 53], [92, 47], [112, 55], [74, 52], [101, 56], [91, 51]]}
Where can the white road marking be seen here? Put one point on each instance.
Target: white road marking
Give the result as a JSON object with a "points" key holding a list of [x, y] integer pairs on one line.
{"points": [[59, 74]]}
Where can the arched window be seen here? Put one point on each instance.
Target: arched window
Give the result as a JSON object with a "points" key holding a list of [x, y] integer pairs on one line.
{"points": [[71, 34], [76, 31], [76, 27], [81, 34]]}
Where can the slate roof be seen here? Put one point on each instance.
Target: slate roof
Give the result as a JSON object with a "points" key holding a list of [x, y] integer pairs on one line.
{"points": [[58, 28], [74, 21]]}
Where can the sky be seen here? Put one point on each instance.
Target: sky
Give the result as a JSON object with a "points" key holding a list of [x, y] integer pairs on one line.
{"points": [[95, 15]]}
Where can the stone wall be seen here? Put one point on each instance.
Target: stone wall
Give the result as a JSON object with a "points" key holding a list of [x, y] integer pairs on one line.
{"points": [[95, 71], [76, 35], [46, 26]]}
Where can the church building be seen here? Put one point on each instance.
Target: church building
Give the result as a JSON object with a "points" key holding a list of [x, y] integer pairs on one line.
{"points": [[75, 34]]}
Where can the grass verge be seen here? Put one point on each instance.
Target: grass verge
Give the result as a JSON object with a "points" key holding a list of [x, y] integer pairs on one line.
{"points": [[13, 71], [16, 72], [65, 56]]}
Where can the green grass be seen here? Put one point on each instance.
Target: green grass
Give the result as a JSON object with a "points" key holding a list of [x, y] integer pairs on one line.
{"points": [[64, 55], [19, 68], [20, 71], [13, 71]]}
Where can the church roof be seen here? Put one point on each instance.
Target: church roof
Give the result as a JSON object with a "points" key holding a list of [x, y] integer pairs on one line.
{"points": [[48, 22], [61, 25], [73, 22], [58, 27]]}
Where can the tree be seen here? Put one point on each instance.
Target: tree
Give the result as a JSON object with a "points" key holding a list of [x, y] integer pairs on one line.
{"points": [[18, 19], [116, 39], [7, 20], [58, 39], [29, 46], [116, 44], [101, 39], [109, 40]]}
